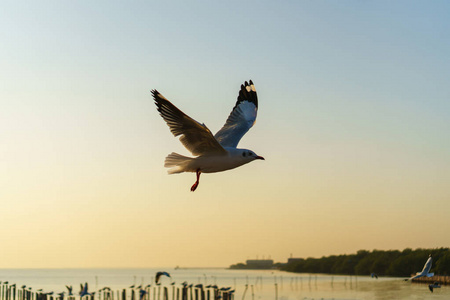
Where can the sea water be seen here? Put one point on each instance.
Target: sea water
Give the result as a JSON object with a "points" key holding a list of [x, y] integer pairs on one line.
{"points": [[261, 285]]}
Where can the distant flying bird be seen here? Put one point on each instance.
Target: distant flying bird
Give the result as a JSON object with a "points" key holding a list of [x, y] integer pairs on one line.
{"points": [[215, 153], [142, 293], [84, 290], [69, 289], [425, 271], [374, 275], [436, 284], [159, 274]]}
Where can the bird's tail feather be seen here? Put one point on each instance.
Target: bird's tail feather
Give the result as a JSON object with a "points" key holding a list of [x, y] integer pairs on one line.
{"points": [[176, 162]]}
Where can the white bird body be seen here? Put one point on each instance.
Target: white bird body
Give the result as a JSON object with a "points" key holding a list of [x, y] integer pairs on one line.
{"points": [[209, 163], [213, 153]]}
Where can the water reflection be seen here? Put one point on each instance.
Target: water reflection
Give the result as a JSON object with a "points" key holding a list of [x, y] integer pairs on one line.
{"points": [[249, 285]]}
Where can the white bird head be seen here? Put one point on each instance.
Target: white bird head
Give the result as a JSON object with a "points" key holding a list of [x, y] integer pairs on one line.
{"points": [[248, 155]]}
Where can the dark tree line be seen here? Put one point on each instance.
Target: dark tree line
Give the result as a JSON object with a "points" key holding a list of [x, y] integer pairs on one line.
{"points": [[387, 263]]}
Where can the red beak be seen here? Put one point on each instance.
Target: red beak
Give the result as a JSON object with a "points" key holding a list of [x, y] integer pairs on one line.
{"points": [[259, 157]]}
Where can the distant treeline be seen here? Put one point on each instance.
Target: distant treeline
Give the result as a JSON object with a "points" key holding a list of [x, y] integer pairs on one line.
{"points": [[388, 263]]}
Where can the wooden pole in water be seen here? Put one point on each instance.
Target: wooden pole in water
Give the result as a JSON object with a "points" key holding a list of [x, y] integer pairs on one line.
{"points": [[166, 293], [253, 293], [245, 291], [276, 291]]}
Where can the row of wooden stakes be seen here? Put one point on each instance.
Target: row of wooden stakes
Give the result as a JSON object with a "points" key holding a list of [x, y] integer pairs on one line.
{"points": [[186, 292]]}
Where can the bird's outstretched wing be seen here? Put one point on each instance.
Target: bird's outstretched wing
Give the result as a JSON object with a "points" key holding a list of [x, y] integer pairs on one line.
{"points": [[241, 118], [196, 137], [427, 266]]}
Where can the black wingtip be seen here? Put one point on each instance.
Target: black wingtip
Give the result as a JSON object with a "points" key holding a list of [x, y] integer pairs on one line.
{"points": [[155, 93], [247, 93]]}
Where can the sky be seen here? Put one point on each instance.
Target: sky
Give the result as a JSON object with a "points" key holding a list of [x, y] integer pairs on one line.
{"points": [[353, 124]]}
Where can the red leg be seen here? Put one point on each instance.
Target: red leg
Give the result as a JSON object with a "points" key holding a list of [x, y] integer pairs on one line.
{"points": [[195, 185]]}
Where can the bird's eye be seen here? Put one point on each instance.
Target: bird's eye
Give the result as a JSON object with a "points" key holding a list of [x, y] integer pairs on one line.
{"points": [[243, 154]]}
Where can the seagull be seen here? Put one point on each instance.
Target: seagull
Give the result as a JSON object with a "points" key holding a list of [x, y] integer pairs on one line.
{"points": [[425, 271], [436, 284], [159, 274], [84, 290], [142, 294], [69, 289], [214, 153]]}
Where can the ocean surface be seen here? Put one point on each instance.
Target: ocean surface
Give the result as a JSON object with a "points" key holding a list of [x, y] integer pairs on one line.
{"points": [[262, 285]]}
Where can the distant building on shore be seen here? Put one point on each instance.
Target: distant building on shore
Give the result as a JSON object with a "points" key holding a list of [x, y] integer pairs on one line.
{"points": [[259, 263], [294, 260], [255, 264]]}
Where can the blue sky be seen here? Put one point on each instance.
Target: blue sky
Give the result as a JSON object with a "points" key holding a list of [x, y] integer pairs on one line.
{"points": [[353, 123]]}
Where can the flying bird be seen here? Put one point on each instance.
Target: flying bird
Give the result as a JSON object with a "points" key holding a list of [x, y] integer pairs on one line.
{"points": [[214, 153], [84, 290], [142, 294], [159, 274], [425, 271], [374, 275], [69, 289], [436, 284]]}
